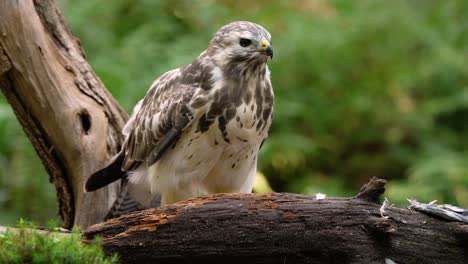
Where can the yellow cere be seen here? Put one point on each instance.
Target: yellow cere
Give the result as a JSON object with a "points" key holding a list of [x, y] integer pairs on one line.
{"points": [[265, 43]]}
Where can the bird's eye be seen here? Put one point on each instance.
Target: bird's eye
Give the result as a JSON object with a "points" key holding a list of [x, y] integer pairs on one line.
{"points": [[245, 42]]}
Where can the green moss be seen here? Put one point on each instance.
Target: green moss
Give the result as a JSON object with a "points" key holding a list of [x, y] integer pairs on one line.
{"points": [[27, 245]]}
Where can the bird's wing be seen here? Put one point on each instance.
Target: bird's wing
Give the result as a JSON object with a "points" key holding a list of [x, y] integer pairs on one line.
{"points": [[161, 118], [156, 123]]}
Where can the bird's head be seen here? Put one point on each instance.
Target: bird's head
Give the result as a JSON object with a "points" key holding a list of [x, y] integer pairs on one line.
{"points": [[241, 42]]}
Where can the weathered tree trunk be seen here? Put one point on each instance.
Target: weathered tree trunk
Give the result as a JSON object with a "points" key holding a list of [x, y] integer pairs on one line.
{"points": [[283, 228], [72, 121]]}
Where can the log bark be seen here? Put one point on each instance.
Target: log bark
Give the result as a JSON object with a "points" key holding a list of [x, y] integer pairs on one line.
{"points": [[72, 121], [283, 228]]}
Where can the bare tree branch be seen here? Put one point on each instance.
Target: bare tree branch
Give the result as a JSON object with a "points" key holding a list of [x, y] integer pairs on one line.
{"points": [[72, 121]]}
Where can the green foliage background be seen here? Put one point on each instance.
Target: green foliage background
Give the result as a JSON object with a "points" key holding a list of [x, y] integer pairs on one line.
{"points": [[363, 88]]}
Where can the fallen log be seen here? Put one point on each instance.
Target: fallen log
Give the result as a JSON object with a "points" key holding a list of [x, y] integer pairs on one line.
{"points": [[283, 228]]}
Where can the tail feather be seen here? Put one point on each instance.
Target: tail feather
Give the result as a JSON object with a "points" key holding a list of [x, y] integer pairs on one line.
{"points": [[124, 204], [133, 196], [107, 175]]}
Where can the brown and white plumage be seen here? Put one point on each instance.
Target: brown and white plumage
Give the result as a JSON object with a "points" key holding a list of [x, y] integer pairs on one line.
{"points": [[199, 127]]}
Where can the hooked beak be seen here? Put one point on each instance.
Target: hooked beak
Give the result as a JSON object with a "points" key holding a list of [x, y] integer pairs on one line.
{"points": [[269, 52], [266, 48]]}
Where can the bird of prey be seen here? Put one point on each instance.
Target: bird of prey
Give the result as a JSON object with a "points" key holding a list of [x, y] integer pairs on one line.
{"points": [[199, 128]]}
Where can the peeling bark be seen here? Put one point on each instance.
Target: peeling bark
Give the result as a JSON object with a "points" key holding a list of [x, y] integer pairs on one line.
{"points": [[282, 228], [72, 121], [372, 190]]}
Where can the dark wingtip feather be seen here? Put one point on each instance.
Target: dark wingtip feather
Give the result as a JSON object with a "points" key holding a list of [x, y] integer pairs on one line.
{"points": [[105, 176]]}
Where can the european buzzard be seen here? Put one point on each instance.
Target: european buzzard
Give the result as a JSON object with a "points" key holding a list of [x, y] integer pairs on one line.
{"points": [[199, 127]]}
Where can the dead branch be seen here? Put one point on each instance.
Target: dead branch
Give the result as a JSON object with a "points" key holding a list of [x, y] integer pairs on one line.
{"points": [[72, 121]]}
